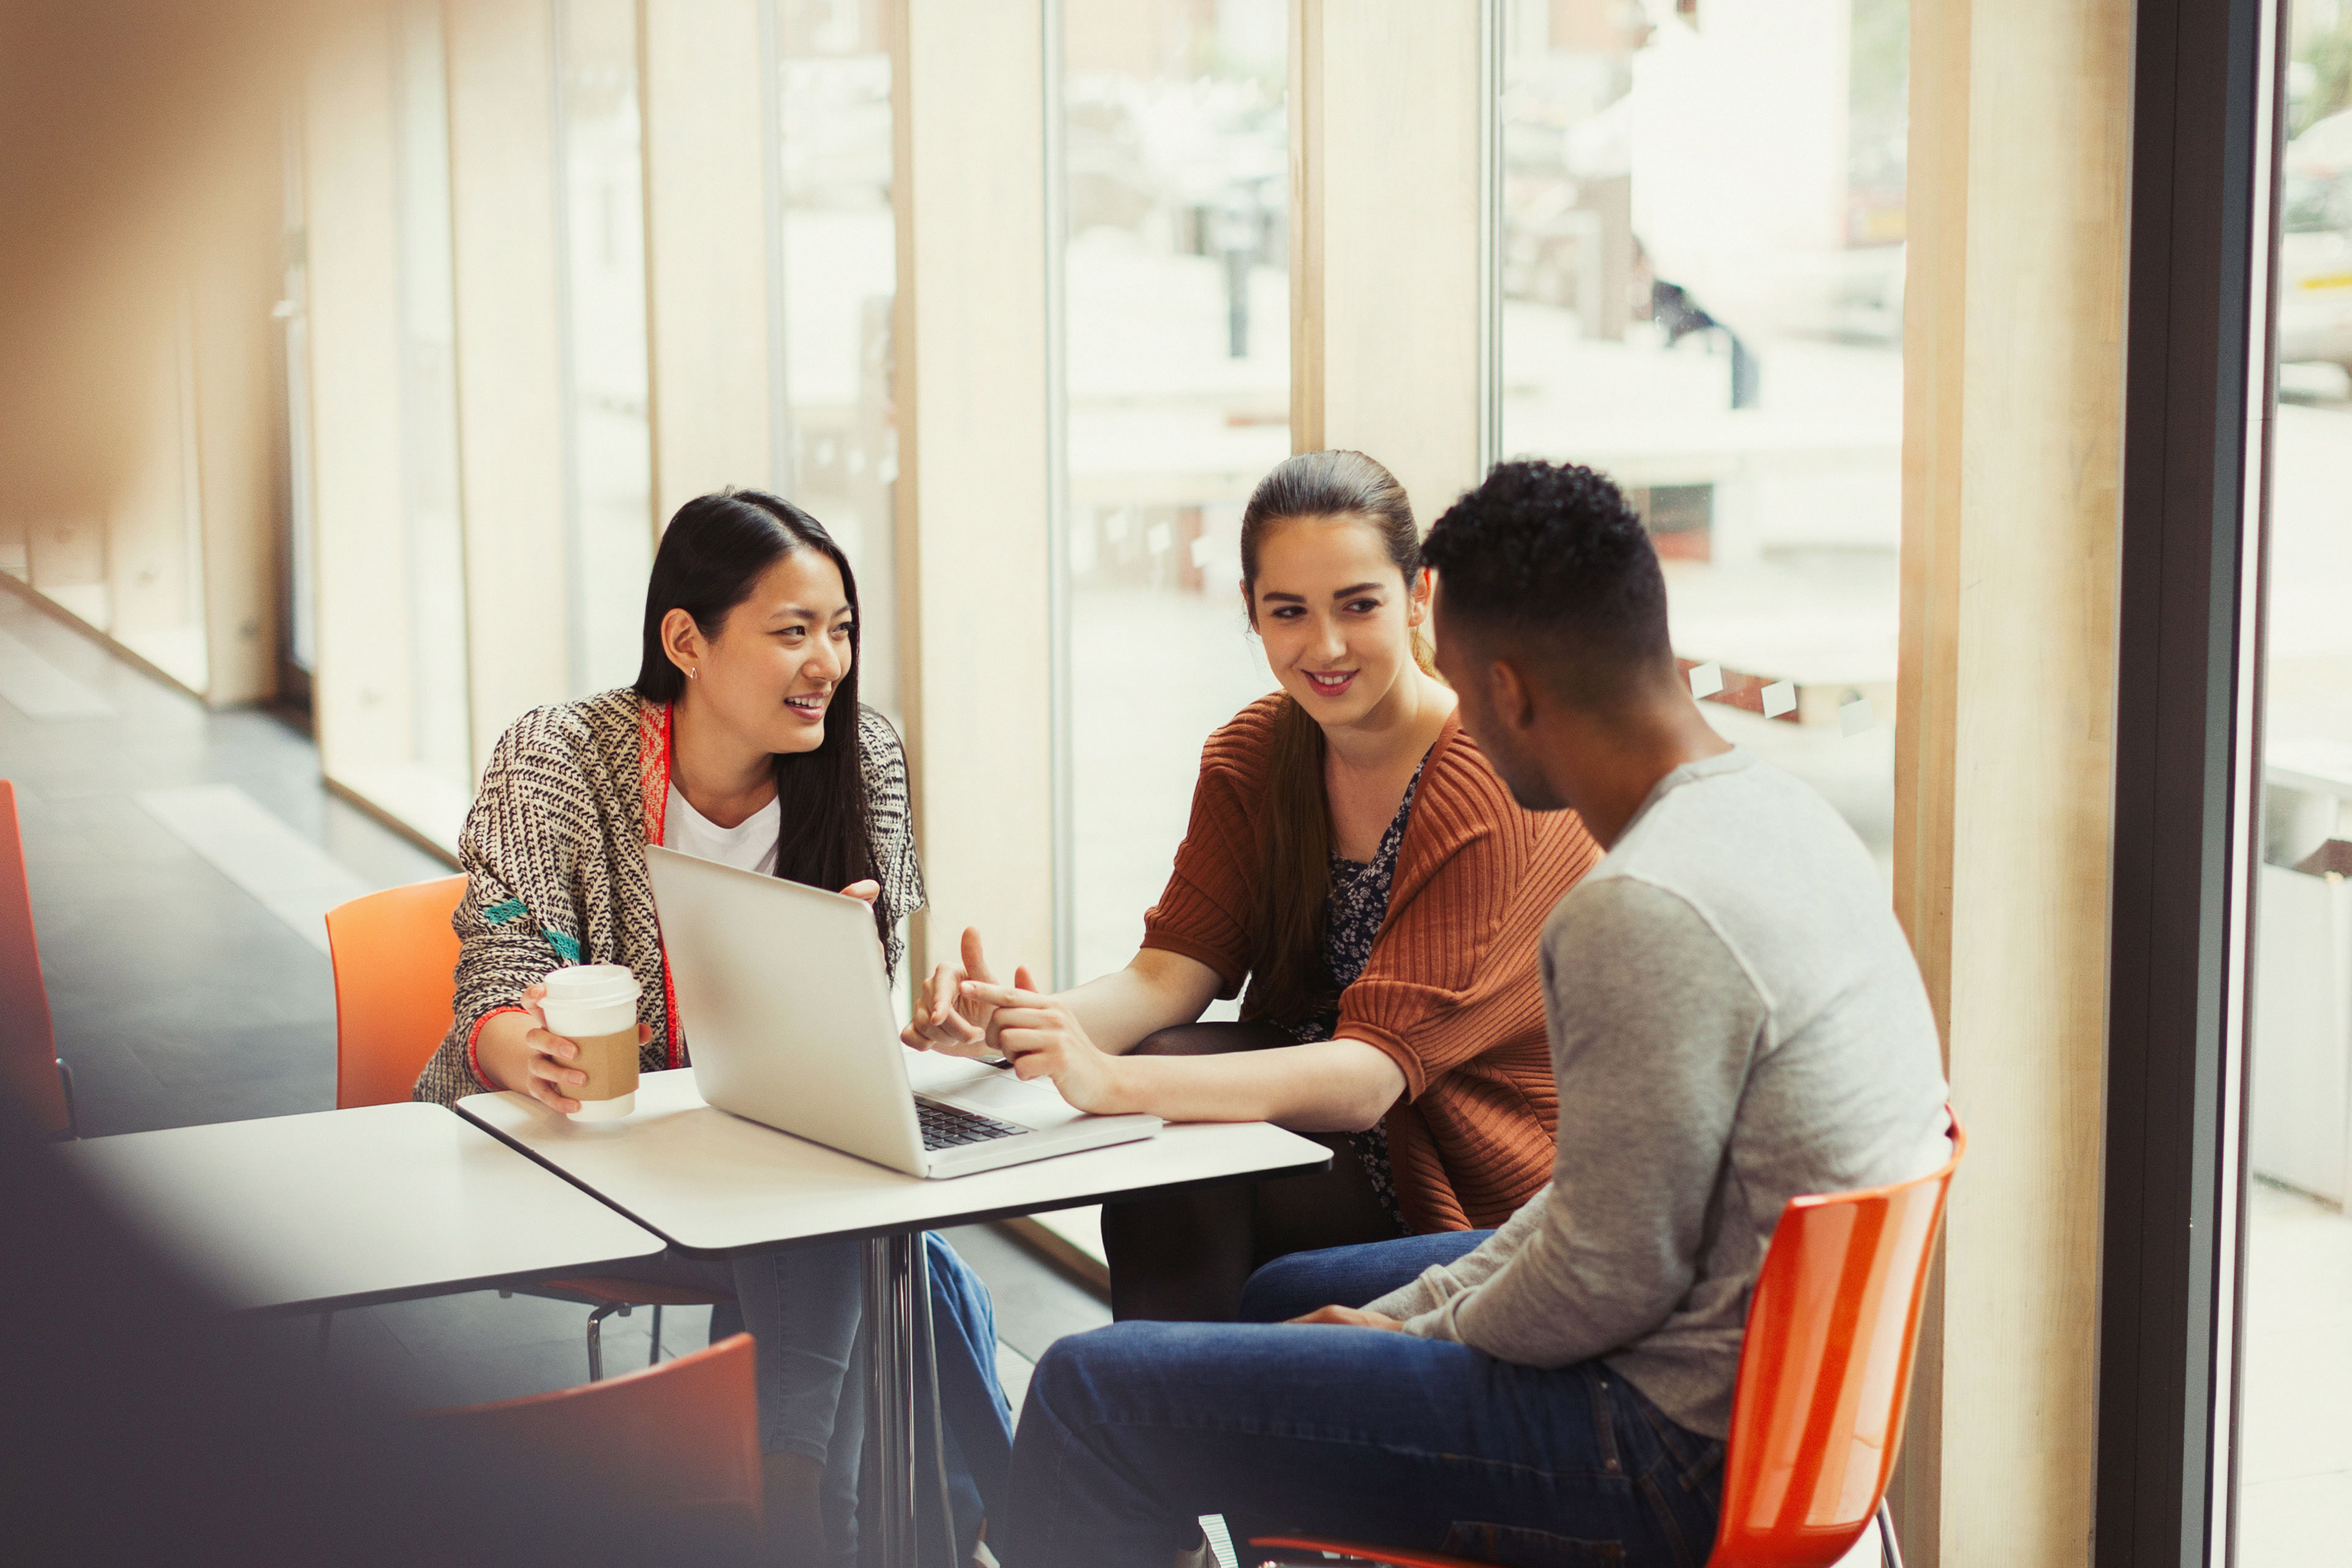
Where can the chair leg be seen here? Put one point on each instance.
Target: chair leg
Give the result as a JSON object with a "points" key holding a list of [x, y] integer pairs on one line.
{"points": [[652, 1358], [596, 1337], [73, 1113], [1889, 1551]]}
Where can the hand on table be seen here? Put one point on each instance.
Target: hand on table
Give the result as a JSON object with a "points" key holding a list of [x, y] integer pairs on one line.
{"points": [[945, 1019], [1038, 1035], [1352, 1317], [545, 1073]]}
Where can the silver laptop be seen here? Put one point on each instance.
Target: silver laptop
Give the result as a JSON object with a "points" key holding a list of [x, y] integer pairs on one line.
{"points": [[789, 1020]]}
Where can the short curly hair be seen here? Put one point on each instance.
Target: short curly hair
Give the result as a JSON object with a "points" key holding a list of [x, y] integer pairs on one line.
{"points": [[1551, 553]]}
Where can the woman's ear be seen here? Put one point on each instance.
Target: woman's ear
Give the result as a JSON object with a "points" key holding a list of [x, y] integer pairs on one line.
{"points": [[682, 640], [1416, 601], [1249, 605]]}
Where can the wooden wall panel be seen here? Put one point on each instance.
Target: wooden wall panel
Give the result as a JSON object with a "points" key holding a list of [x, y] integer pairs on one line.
{"points": [[510, 410], [360, 698], [239, 457], [970, 346], [708, 152], [2013, 401], [1385, 296]]}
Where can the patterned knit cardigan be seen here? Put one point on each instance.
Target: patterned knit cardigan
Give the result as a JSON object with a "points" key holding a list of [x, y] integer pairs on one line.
{"points": [[555, 854]]}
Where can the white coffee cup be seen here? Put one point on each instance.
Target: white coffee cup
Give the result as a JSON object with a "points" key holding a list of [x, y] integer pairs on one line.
{"points": [[594, 1006]]}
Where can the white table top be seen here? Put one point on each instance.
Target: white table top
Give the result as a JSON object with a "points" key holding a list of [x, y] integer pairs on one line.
{"points": [[714, 1182], [342, 1208]]}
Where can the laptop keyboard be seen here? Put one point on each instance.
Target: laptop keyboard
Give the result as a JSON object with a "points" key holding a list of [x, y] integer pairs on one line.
{"points": [[946, 1126]]}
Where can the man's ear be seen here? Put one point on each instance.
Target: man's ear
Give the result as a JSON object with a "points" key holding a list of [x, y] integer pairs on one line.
{"points": [[1512, 695]]}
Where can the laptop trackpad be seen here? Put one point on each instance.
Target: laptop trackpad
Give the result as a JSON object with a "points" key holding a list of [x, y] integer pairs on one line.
{"points": [[1005, 1097]]}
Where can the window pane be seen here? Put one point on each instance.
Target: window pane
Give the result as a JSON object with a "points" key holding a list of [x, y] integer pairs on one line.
{"points": [[1702, 261], [839, 275], [602, 205], [440, 779], [2294, 1444], [1177, 322]]}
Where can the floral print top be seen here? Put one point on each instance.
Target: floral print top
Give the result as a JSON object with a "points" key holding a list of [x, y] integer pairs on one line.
{"points": [[1357, 907]]}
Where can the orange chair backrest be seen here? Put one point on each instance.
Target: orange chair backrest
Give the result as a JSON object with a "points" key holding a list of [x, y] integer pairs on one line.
{"points": [[681, 1438], [396, 962], [1825, 1370], [28, 1041]]}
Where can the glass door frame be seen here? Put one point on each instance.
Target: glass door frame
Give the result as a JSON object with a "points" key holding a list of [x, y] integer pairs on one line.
{"points": [[2198, 399]]}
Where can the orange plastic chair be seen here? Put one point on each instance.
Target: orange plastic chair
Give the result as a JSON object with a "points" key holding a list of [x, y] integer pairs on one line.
{"points": [[681, 1440], [395, 961], [31, 1072], [1824, 1380]]}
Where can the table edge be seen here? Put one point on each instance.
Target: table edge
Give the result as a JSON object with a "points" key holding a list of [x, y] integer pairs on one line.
{"points": [[939, 1222], [354, 1300]]}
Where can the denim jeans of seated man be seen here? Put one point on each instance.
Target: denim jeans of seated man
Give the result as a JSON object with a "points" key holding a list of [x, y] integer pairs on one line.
{"points": [[1131, 1432]]}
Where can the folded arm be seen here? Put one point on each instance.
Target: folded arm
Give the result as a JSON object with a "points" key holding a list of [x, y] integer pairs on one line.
{"points": [[1652, 1029]]}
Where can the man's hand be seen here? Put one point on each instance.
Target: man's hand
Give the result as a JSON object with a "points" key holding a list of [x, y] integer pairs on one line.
{"points": [[1352, 1317], [1037, 1034]]}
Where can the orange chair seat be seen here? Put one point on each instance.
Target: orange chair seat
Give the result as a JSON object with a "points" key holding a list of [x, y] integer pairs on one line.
{"points": [[681, 1439]]}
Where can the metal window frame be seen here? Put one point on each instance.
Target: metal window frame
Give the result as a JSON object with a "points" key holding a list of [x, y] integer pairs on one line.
{"points": [[2196, 433]]}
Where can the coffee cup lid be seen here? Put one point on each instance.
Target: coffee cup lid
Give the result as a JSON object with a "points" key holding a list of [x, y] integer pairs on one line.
{"points": [[588, 984]]}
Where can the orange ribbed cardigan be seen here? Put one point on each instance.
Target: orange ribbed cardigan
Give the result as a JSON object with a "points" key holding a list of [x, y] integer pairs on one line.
{"points": [[1451, 990]]}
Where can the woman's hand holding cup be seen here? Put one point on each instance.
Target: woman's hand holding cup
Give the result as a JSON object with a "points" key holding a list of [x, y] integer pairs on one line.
{"points": [[547, 1075]]}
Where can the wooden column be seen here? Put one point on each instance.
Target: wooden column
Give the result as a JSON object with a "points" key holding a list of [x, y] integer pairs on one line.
{"points": [[1386, 324], [972, 486], [362, 700], [2012, 443], [511, 416], [708, 235]]}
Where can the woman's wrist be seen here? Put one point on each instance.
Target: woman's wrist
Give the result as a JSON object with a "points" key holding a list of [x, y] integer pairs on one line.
{"points": [[498, 1050], [1127, 1087]]}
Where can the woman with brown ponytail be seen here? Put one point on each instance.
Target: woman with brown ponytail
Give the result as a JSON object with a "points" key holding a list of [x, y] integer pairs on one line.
{"points": [[1355, 859]]}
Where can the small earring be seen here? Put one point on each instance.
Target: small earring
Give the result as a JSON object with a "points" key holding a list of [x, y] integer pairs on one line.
{"points": [[692, 673]]}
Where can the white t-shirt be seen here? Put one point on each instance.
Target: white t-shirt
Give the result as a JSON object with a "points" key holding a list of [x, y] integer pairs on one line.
{"points": [[748, 846]]}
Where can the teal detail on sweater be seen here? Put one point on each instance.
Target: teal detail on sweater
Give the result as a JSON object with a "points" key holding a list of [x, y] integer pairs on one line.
{"points": [[567, 948], [504, 910]]}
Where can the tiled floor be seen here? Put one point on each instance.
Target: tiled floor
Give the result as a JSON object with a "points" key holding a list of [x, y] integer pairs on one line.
{"points": [[179, 861], [2295, 1454]]}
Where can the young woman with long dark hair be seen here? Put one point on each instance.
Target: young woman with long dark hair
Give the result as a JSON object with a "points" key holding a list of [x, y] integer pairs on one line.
{"points": [[742, 741], [1355, 859]]}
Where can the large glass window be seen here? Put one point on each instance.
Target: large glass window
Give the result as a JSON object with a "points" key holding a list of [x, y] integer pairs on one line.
{"points": [[609, 433], [441, 779], [1176, 323], [836, 269], [1702, 275], [2295, 1443], [395, 725]]}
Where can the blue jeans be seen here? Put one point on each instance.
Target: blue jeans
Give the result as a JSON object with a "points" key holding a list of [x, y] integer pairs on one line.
{"points": [[802, 1307], [1131, 1432]]}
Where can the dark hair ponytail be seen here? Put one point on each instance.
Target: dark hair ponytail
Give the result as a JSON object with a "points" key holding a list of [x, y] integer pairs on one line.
{"points": [[1290, 980], [712, 555]]}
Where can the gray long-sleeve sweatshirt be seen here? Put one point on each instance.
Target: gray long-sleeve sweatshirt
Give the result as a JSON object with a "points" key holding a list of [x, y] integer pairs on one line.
{"points": [[1735, 1019]]}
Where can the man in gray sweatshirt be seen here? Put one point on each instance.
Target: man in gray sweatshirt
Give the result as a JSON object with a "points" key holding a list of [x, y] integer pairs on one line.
{"points": [[1735, 1020]]}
